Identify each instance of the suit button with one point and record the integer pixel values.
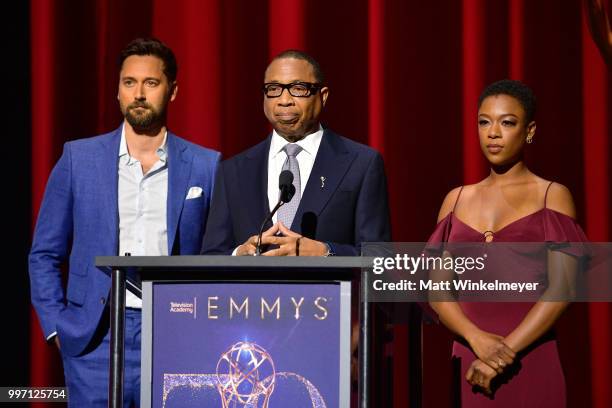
(103, 300)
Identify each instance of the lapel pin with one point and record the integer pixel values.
(322, 181)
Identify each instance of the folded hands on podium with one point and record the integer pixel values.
(285, 242)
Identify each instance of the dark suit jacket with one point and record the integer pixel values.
(349, 209)
(79, 220)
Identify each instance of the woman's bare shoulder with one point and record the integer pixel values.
(559, 198)
(449, 202)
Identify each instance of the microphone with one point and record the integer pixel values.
(285, 184)
(287, 191)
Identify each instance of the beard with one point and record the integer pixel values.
(146, 118)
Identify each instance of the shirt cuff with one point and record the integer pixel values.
(51, 336)
(331, 251)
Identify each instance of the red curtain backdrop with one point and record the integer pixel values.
(404, 77)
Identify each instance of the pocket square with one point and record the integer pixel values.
(194, 192)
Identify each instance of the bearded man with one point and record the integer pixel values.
(139, 190)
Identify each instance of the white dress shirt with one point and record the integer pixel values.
(277, 157)
(142, 207)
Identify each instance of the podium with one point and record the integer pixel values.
(241, 331)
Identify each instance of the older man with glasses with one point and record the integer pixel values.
(339, 186)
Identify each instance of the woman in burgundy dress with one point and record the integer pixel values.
(507, 351)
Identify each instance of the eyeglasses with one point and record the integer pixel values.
(296, 89)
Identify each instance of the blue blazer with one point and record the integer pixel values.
(350, 208)
(79, 220)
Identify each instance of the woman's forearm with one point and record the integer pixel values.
(454, 319)
(538, 321)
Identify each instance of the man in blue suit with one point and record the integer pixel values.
(340, 196)
(139, 190)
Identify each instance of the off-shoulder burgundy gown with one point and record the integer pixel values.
(536, 379)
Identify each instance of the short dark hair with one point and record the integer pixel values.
(516, 89)
(301, 55)
(156, 48)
